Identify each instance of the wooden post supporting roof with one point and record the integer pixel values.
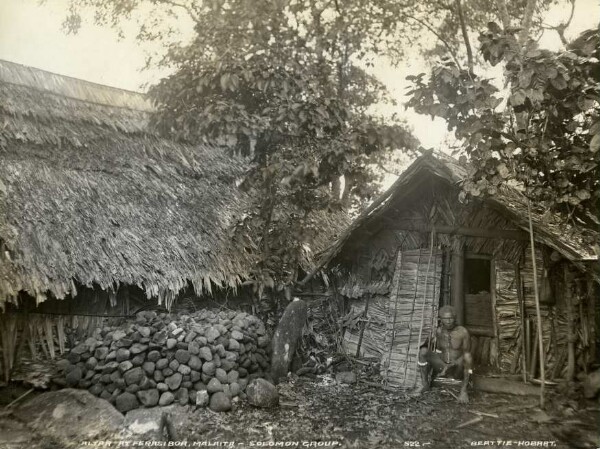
(457, 283)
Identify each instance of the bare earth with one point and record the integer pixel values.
(320, 413)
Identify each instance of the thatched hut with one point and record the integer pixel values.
(98, 209)
(419, 247)
(94, 205)
(89, 196)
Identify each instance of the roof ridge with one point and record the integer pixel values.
(71, 87)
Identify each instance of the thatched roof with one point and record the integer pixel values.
(570, 241)
(88, 195)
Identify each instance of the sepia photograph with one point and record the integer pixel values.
(347, 224)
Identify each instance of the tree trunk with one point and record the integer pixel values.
(348, 185)
(465, 34)
(526, 22)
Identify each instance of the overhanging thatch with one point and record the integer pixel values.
(574, 243)
(88, 195)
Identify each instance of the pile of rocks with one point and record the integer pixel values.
(206, 358)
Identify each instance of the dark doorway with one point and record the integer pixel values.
(477, 276)
(478, 298)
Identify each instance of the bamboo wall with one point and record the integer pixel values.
(374, 324)
(30, 332)
(411, 314)
(26, 338)
(560, 285)
(512, 344)
(514, 348)
(396, 323)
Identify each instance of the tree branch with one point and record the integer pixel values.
(433, 31)
(561, 27)
(465, 34)
(187, 8)
(503, 10)
(384, 169)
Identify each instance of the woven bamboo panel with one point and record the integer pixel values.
(507, 312)
(478, 310)
(411, 316)
(554, 325)
(374, 334)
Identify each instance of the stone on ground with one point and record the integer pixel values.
(220, 402)
(285, 340)
(149, 398)
(202, 398)
(262, 393)
(52, 414)
(126, 401)
(345, 377)
(166, 398)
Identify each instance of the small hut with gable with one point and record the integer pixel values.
(418, 247)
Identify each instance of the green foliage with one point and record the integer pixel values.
(546, 138)
(283, 83)
(278, 83)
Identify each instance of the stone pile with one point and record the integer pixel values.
(205, 358)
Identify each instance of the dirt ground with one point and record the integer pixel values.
(320, 413)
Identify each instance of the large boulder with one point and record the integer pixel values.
(285, 340)
(262, 393)
(53, 414)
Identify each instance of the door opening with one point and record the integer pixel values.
(478, 297)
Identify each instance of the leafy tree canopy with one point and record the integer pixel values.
(543, 136)
(277, 82)
(284, 83)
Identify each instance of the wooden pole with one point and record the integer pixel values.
(363, 325)
(527, 346)
(412, 313)
(458, 272)
(591, 303)
(366, 312)
(570, 327)
(504, 234)
(537, 307)
(524, 330)
(534, 354)
(446, 276)
(495, 343)
(424, 300)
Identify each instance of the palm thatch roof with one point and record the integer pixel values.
(574, 243)
(88, 195)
